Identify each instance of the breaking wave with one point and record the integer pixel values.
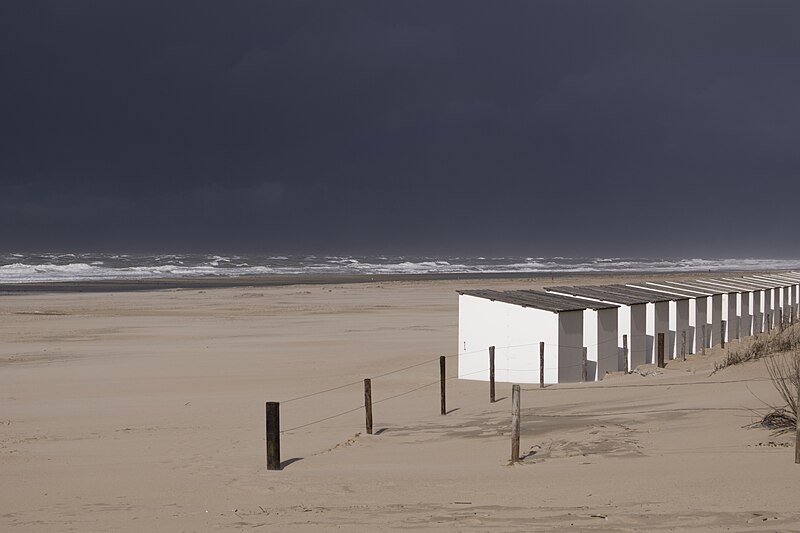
(47, 267)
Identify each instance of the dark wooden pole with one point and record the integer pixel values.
(273, 426)
(541, 365)
(515, 424)
(660, 359)
(584, 366)
(722, 325)
(625, 353)
(491, 374)
(780, 319)
(442, 379)
(683, 345)
(368, 404)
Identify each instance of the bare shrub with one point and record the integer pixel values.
(762, 346)
(785, 375)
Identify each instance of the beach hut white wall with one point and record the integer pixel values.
(656, 317)
(757, 309)
(515, 332)
(786, 303)
(767, 303)
(631, 319)
(686, 316)
(712, 312)
(698, 310)
(600, 329)
(682, 326)
(780, 296)
(716, 318)
(739, 319)
(637, 353)
(789, 284)
(761, 298)
(515, 322)
(745, 317)
(724, 308)
(660, 324)
(679, 317)
(731, 316)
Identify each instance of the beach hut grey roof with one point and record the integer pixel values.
(538, 300)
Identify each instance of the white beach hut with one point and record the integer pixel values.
(644, 327)
(715, 298)
(730, 308)
(632, 320)
(515, 322)
(742, 323)
(658, 317)
(698, 310)
(770, 300)
(681, 311)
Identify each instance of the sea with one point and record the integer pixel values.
(49, 267)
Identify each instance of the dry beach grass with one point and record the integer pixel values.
(139, 411)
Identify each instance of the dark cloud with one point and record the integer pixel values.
(610, 128)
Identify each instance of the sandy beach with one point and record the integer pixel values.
(144, 411)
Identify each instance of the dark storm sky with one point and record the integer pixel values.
(570, 128)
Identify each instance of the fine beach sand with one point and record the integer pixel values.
(144, 411)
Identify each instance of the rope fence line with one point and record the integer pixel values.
(367, 405)
(640, 385)
(473, 352)
(337, 415)
(640, 412)
(550, 388)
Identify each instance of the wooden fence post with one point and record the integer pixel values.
(722, 325)
(541, 365)
(660, 360)
(683, 345)
(780, 319)
(368, 404)
(273, 428)
(442, 380)
(515, 424)
(491, 374)
(584, 367)
(625, 353)
(704, 339)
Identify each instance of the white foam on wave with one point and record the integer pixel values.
(25, 269)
